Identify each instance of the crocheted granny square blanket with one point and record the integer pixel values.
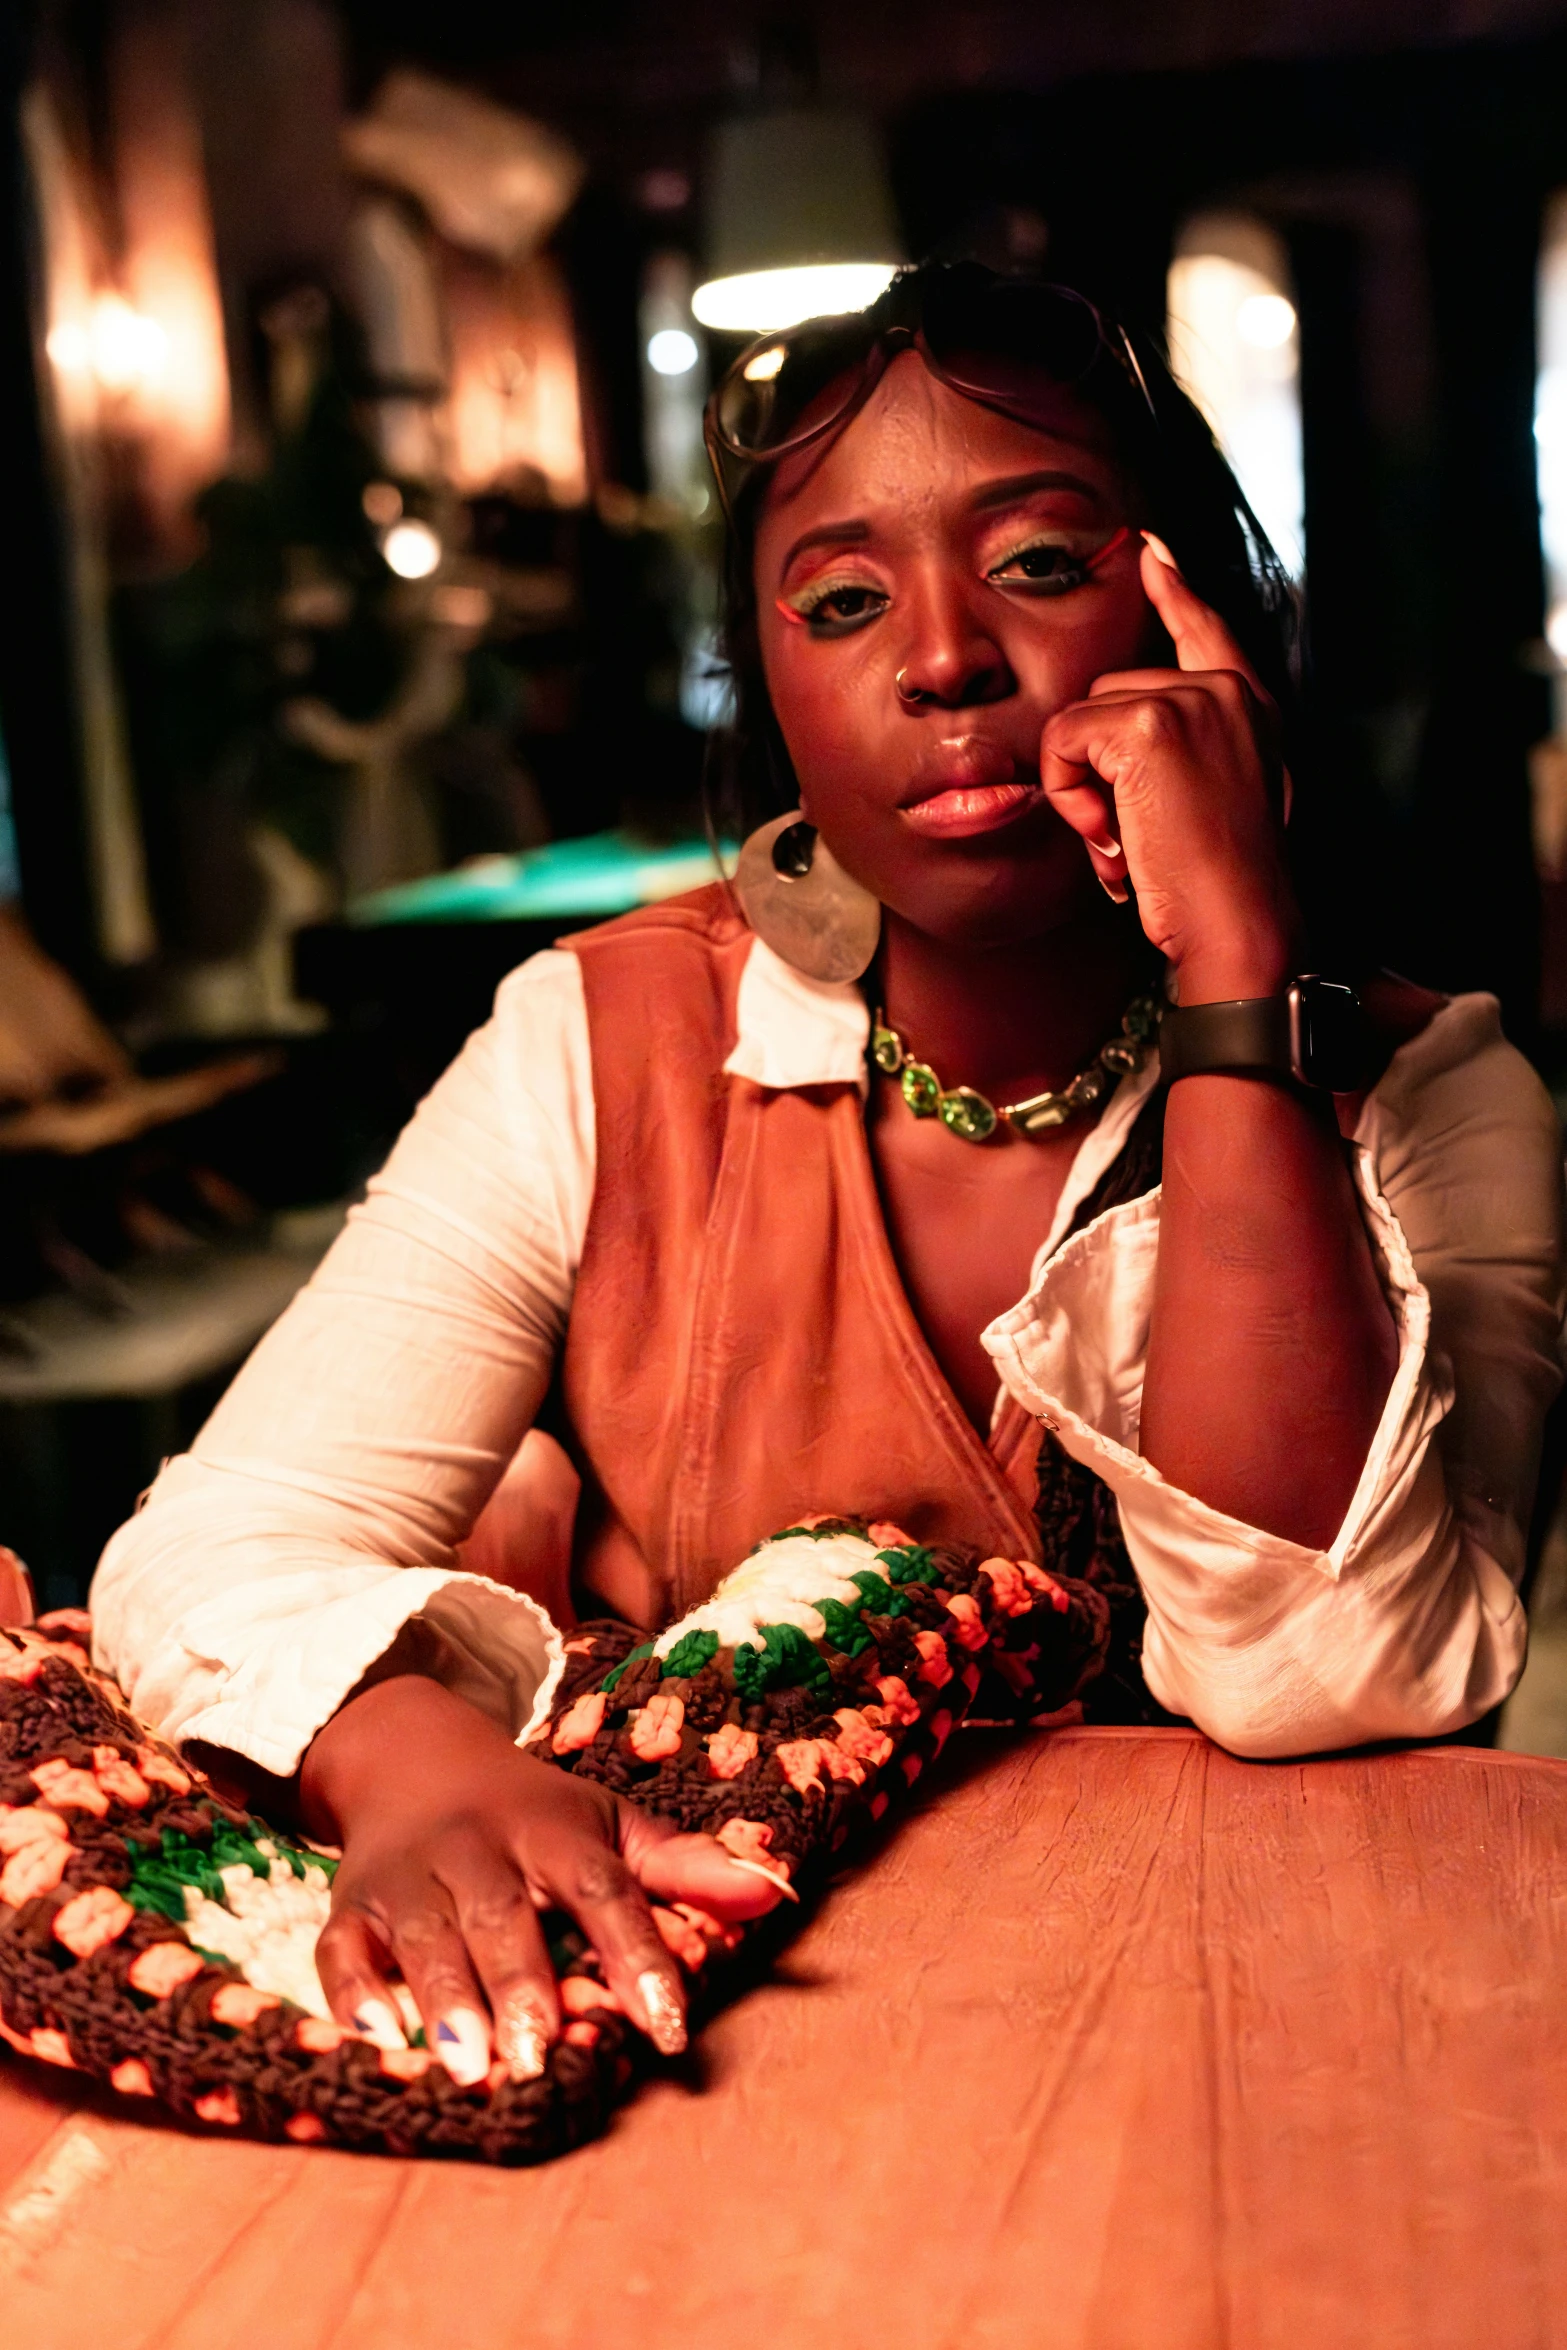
(817, 1683)
(159, 1939)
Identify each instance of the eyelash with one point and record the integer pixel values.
(808, 607)
(1075, 572)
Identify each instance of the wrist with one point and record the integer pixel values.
(1242, 965)
(347, 1758)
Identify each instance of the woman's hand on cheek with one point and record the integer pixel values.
(453, 1842)
(1178, 768)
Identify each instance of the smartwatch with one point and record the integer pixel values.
(1314, 1034)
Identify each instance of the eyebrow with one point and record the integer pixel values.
(1019, 485)
(997, 493)
(830, 534)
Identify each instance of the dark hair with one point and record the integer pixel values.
(1189, 496)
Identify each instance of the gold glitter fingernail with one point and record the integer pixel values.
(521, 2041)
(665, 2024)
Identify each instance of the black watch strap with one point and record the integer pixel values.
(1315, 1033)
(1252, 1033)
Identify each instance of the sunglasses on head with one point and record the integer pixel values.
(987, 337)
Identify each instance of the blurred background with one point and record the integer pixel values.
(360, 636)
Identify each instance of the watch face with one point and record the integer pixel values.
(1332, 1044)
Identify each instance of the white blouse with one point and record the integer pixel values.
(322, 1506)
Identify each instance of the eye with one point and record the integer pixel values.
(1043, 567)
(835, 607)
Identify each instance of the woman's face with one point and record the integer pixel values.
(925, 606)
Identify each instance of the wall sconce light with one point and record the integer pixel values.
(800, 220)
(1235, 345)
(123, 350)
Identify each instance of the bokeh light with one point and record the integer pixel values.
(411, 549)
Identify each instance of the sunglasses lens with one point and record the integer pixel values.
(988, 336)
(776, 388)
(748, 396)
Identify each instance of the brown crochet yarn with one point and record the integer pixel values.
(780, 1749)
(777, 1742)
(98, 1820)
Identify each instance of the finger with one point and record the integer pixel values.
(506, 1945)
(591, 1881)
(1190, 689)
(428, 1947)
(352, 1962)
(1079, 796)
(698, 1869)
(1199, 636)
(1130, 684)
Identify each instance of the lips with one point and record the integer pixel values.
(969, 786)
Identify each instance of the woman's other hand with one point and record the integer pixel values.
(453, 1841)
(1172, 778)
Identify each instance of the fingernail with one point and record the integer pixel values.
(666, 2026)
(377, 2020)
(463, 2046)
(758, 1869)
(521, 2042)
(1116, 891)
(1106, 848)
(1156, 546)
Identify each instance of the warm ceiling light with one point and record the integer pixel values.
(411, 549)
(760, 301)
(801, 221)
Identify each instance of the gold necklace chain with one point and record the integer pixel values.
(972, 1118)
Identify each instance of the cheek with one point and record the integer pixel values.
(1059, 649)
(833, 707)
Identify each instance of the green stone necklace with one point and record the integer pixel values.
(968, 1115)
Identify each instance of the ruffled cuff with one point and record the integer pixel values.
(262, 1668)
(1270, 1646)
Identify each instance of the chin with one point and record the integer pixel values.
(992, 900)
(995, 888)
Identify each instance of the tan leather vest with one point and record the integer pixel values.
(741, 1349)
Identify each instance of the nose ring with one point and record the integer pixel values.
(909, 695)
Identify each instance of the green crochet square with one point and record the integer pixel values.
(844, 1628)
(785, 1660)
(913, 1565)
(689, 1655)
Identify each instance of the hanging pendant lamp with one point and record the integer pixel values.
(800, 220)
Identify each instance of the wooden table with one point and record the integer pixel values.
(1119, 2043)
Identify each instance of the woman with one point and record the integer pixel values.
(1003, 627)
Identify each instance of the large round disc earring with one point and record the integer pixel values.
(799, 899)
